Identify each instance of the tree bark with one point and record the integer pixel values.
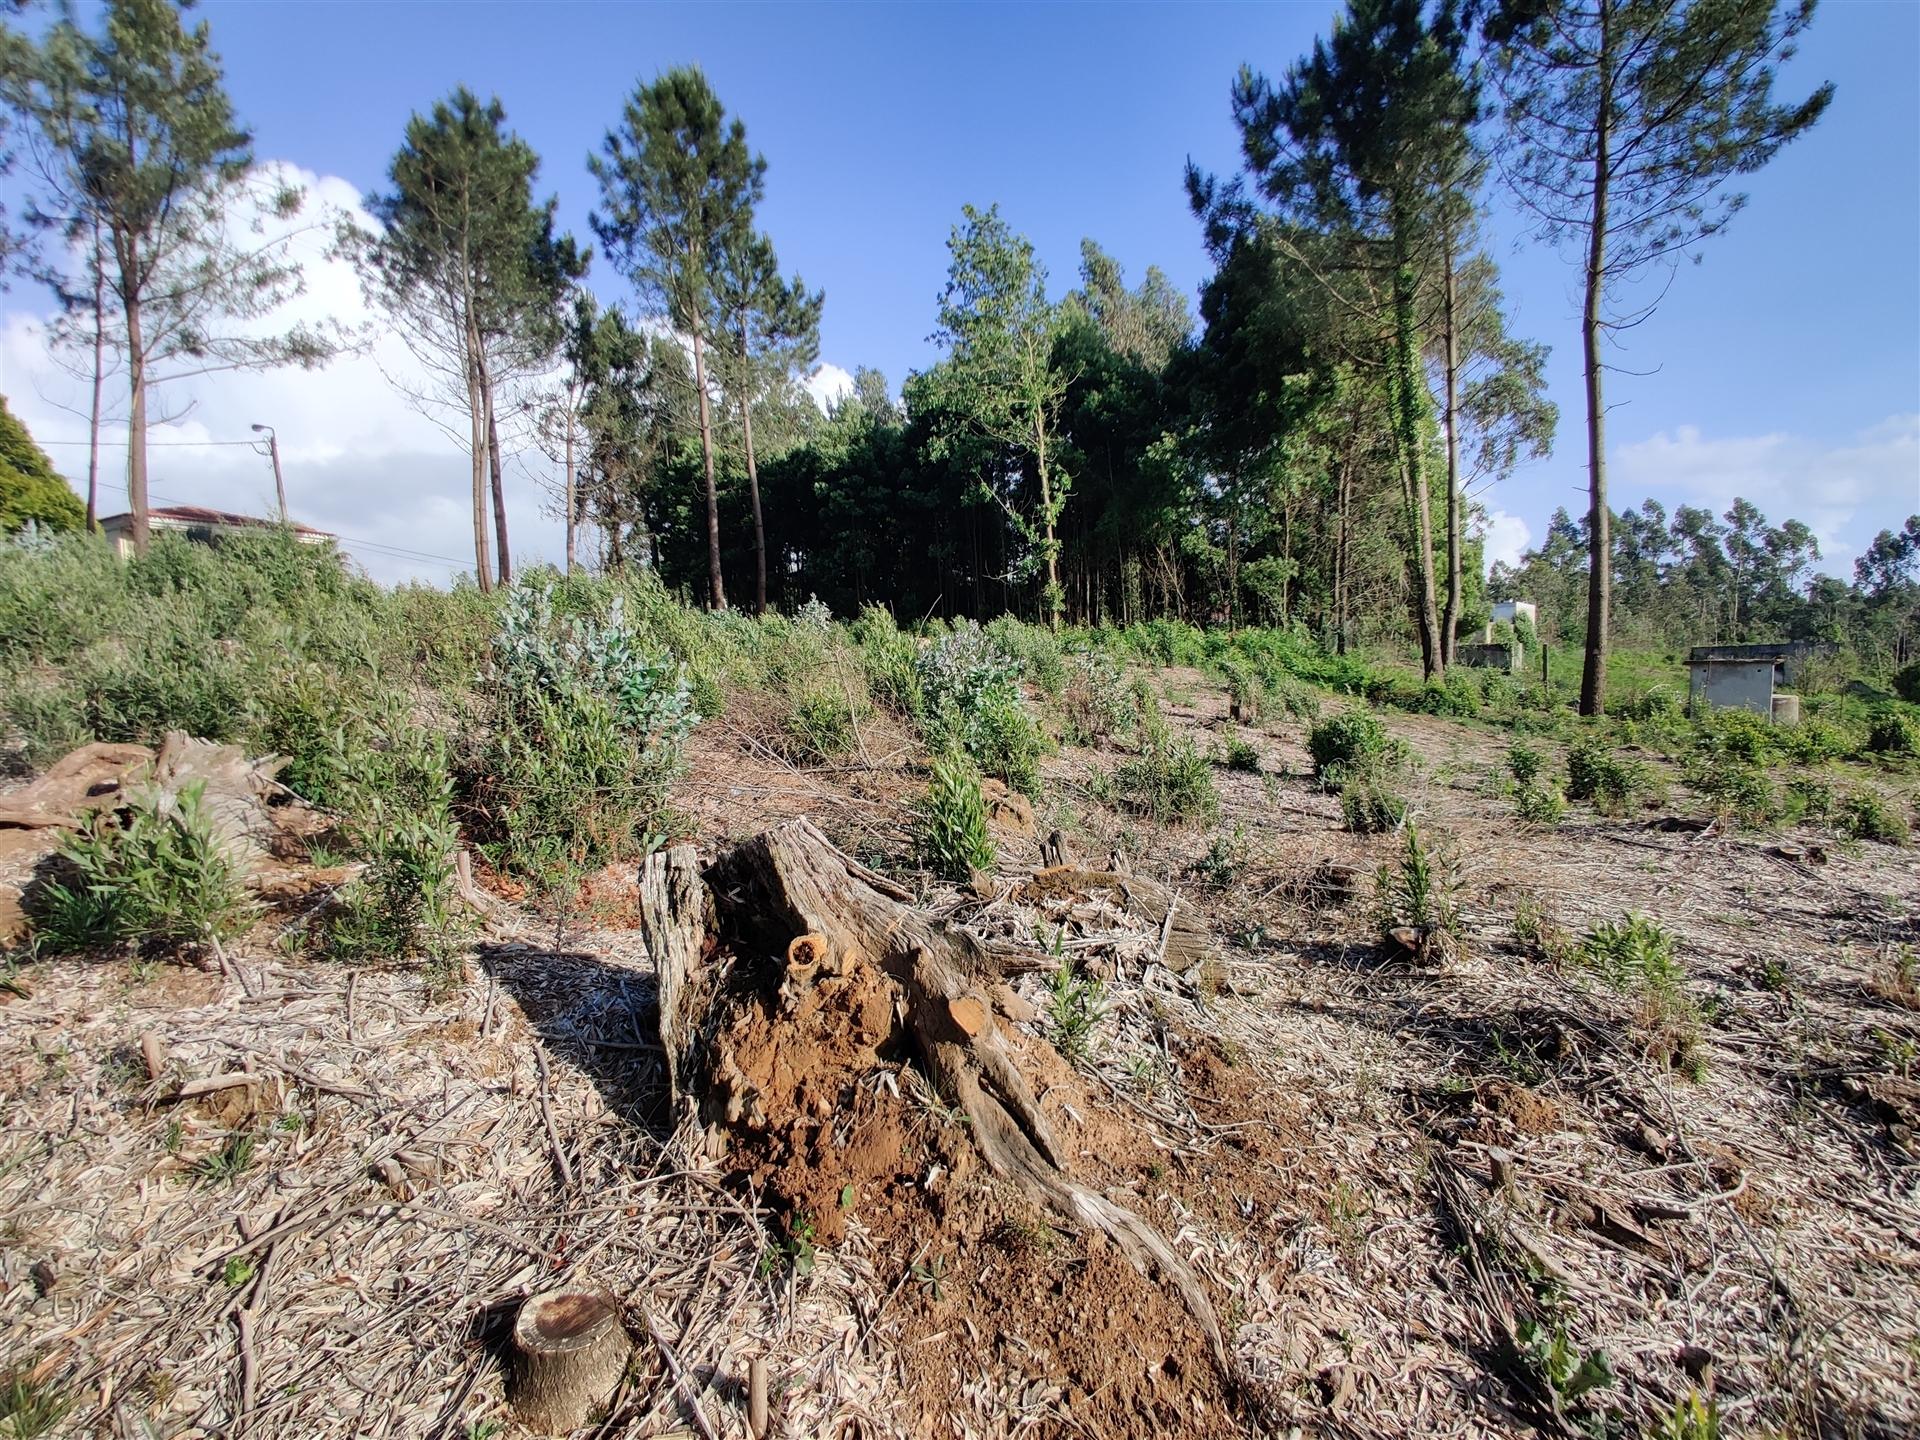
(1593, 672)
(1419, 498)
(137, 426)
(718, 594)
(493, 465)
(1450, 617)
(790, 881)
(570, 1352)
(570, 486)
(477, 428)
(99, 379)
(759, 526)
(1054, 594)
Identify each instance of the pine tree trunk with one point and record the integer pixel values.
(99, 380)
(1418, 497)
(1593, 674)
(1450, 618)
(137, 427)
(1054, 594)
(570, 488)
(499, 484)
(477, 425)
(759, 526)
(717, 594)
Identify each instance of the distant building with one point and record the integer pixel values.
(1511, 611)
(197, 522)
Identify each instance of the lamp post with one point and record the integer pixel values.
(279, 480)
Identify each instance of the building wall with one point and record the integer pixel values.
(1737, 686)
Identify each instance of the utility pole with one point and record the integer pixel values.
(279, 480)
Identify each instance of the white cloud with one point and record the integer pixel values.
(359, 461)
(829, 384)
(1844, 492)
(1505, 536)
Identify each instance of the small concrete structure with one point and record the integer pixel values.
(1791, 655)
(1489, 657)
(1742, 677)
(197, 522)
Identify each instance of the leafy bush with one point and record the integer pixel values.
(1740, 791)
(1288, 696)
(1612, 783)
(1170, 780)
(1240, 755)
(1815, 740)
(1738, 735)
(1637, 955)
(400, 821)
(1539, 805)
(1906, 684)
(585, 731)
(158, 877)
(818, 724)
(953, 821)
(889, 660)
(1095, 704)
(1036, 648)
(1352, 742)
(972, 700)
(1893, 732)
(1370, 806)
(1523, 762)
(1864, 815)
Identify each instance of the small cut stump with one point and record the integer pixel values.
(569, 1352)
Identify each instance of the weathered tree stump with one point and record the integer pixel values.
(569, 1352)
(791, 882)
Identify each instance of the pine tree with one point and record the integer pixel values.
(678, 186)
(1624, 120)
(30, 488)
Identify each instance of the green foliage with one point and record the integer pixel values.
(1073, 1009)
(889, 660)
(1570, 1375)
(1352, 742)
(1816, 740)
(1740, 791)
(1541, 806)
(1420, 890)
(1370, 806)
(1906, 683)
(818, 725)
(953, 821)
(1865, 815)
(31, 1408)
(1095, 704)
(972, 700)
(1892, 731)
(31, 490)
(402, 905)
(584, 732)
(1614, 784)
(1523, 763)
(1638, 956)
(232, 1160)
(1240, 755)
(156, 876)
(1169, 780)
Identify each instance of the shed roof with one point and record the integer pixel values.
(201, 515)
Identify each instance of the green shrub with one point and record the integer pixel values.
(1539, 805)
(1240, 755)
(1906, 683)
(1286, 695)
(402, 905)
(1419, 890)
(1370, 806)
(1740, 791)
(584, 731)
(818, 725)
(1523, 763)
(889, 660)
(973, 701)
(1864, 815)
(1815, 740)
(1893, 732)
(1812, 799)
(1738, 735)
(1036, 648)
(156, 876)
(1638, 956)
(1352, 742)
(1612, 783)
(1094, 703)
(1170, 780)
(954, 839)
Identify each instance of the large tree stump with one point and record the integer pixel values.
(789, 892)
(569, 1352)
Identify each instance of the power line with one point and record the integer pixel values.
(151, 444)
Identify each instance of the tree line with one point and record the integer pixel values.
(1306, 446)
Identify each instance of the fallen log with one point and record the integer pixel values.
(831, 924)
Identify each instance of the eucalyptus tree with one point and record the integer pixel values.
(766, 328)
(467, 266)
(999, 383)
(1362, 152)
(1624, 121)
(135, 141)
(678, 187)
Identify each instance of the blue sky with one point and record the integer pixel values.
(1785, 367)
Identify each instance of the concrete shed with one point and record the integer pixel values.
(1736, 677)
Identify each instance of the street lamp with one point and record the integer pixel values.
(279, 481)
